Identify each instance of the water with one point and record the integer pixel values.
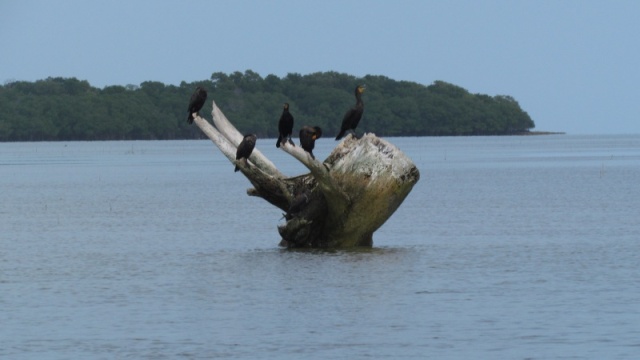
(508, 247)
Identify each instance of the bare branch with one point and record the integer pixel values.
(227, 148)
(320, 171)
(234, 136)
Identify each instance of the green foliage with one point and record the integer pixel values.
(71, 109)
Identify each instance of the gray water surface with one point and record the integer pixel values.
(507, 248)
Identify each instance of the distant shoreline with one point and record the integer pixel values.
(526, 133)
(522, 133)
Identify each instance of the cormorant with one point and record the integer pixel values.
(308, 136)
(353, 115)
(195, 104)
(298, 204)
(285, 126)
(245, 148)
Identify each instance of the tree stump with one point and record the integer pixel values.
(341, 202)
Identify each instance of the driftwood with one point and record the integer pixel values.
(341, 202)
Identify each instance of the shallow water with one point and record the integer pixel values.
(508, 247)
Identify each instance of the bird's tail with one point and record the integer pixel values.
(278, 142)
(236, 169)
(340, 135)
(190, 118)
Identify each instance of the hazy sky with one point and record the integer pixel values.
(574, 66)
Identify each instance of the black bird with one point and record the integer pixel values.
(308, 136)
(285, 126)
(298, 204)
(352, 116)
(195, 104)
(245, 148)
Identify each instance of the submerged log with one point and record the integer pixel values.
(341, 202)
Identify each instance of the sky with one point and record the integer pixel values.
(572, 65)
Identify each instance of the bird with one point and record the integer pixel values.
(308, 136)
(195, 103)
(245, 148)
(352, 116)
(298, 204)
(285, 126)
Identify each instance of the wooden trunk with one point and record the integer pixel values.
(351, 193)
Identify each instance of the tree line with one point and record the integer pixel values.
(72, 109)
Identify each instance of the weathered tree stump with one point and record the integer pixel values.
(349, 195)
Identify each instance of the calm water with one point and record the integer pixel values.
(507, 248)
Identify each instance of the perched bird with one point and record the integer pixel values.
(195, 104)
(245, 148)
(352, 116)
(285, 126)
(298, 204)
(308, 136)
